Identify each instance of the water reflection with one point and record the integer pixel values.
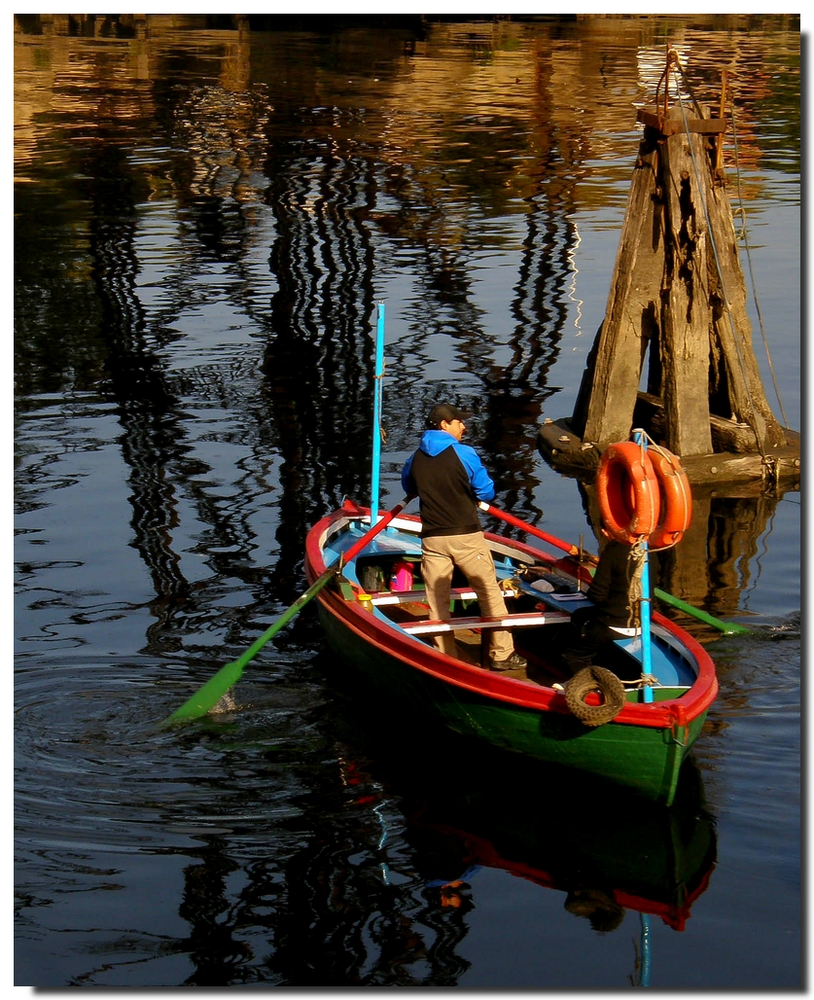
(376, 886)
(650, 860)
(206, 219)
(148, 409)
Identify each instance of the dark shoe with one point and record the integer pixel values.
(513, 662)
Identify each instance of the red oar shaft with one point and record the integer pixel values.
(375, 528)
(572, 550)
(729, 628)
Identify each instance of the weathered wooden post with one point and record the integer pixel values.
(686, 312)
(677, 296)
(607, 394)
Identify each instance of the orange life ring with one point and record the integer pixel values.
(628, 492)
(676, 499)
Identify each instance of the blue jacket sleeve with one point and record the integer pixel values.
(407, 483)
(479, 478)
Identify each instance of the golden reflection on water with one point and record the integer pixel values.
(461, 159)
(499, 97)
(208, 215)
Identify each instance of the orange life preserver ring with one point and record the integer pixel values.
(676, 499)
(628, 492)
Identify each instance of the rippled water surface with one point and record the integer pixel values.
(207, 213)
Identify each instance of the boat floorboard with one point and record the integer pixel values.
(469, 646)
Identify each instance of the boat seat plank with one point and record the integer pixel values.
(503, 622)
(409, 596)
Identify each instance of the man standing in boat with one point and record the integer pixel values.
(449, 479)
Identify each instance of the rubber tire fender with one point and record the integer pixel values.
(628, 492)
(606, 684)
(676, 499)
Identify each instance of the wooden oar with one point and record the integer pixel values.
(487, 508)
(728, 628)
(209, 695)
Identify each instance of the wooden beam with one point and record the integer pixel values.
(389, 597)
(671, 126)
(732, 331)
(685, 312)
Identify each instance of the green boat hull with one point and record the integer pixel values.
(646, 759)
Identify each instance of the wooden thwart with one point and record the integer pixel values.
(505, 621)
(385, 597)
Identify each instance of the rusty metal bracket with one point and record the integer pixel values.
(658, 118)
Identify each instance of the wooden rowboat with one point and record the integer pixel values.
(385, 638)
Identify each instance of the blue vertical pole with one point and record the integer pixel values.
(640, 439)
(644, 978)
(645, 616)
(377, 416)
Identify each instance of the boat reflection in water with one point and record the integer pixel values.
(608, 851)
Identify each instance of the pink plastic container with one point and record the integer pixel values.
(402, 576)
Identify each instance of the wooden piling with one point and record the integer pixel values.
(677, 298)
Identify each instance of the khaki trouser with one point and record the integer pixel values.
(470, 553)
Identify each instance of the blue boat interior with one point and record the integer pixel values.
(371, 573)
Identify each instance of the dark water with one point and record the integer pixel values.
(205, 221)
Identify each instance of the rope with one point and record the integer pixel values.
(637, 557)
(744, 234)
(672, 57)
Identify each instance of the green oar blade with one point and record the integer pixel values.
(209, 695)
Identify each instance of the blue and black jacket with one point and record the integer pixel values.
(449, 478)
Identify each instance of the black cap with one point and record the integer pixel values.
(445, 411)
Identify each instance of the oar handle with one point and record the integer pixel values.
(369, 535)
(320, 582)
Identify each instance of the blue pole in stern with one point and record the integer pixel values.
(645, 616)
(644, 976)
(639, 438)
(377, 416)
